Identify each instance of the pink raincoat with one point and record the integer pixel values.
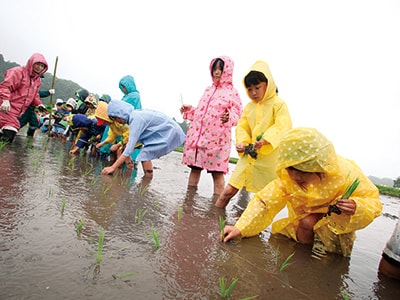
(208, 140)
(21, 87)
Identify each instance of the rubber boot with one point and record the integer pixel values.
(30, 132)
(8, 136)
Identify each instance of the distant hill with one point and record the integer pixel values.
(64, 88)
(382, 181)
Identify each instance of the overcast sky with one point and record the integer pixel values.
(336, 63)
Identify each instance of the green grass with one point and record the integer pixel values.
(388, 191)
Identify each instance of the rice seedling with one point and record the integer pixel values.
(87, 172)
(286, 262)
(248, 298)
(63, 206)
(350, 189)
(346, 195)
(79, 227)
(100, 248)
(222, 287)
(49, 191)
(180, 211)
(93, 181)
(156, 203)
(222, 222)
(345, 294)
(142, 189)
(155, 237)
(117, 276)
(43, 175)
(71, 162)
(105, 189)
(139, 215)
(2, 145)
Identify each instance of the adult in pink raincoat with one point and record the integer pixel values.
(208, 140)
(18, 91)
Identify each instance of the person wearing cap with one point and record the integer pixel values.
(19, 89)
(312, 180)
(81, 95)
(91, 104)
(105, 98)
(71, 106)
(158, 133)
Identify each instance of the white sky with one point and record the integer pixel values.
(336, 63)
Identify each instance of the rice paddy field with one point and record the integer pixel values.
(68, 232)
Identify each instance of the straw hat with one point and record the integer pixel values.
(101, 113)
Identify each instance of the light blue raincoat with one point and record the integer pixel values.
(158, 133)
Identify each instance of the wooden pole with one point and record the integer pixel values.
(51, 96)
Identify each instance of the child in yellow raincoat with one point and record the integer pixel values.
(263, 122)
(311, 179)
(117, 135)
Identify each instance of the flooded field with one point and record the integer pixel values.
(55, 209)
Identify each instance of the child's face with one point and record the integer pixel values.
(217, 72)
(69, 108)
(38, 67)
(118, 120)
(300, 177)
(257, 92)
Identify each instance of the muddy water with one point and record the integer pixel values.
(42, 256)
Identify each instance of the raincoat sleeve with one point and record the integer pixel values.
(111, 136)
(136, 128)
(235, 111)
(12, 81)
(282, 124)
(125, 135)
(36, 100)
(189, 114)
(262, 209)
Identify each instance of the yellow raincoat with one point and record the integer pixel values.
(309, 151)
(269, 116)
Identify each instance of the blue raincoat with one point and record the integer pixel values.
(158, 133)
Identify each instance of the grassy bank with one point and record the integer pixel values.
(388, 191)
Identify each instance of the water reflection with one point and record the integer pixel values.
(37, 240)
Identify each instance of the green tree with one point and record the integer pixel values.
(396, 182)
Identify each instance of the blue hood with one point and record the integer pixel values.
(120, 109)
